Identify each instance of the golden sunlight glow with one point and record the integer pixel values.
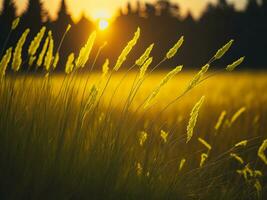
(103, 24)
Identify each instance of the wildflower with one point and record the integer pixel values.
(55, 61)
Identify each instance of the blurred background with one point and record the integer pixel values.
(206, 25)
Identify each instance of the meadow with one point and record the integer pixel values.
(136, 134)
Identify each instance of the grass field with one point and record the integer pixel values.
(54, 146)
(129, 135)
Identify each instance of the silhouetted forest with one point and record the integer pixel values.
(161, 23)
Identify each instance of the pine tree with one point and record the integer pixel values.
(8, 13)
(34, 14)
(64, 17)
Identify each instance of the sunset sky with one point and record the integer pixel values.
(107, 8)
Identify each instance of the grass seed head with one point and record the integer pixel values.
(85, 52)
(235, 64)
(17, 56)
(69, 65)
(163, 82)
(205, 143)
(49, 54)
(220, 53)
(55, 61)
(220, 120)
(193, 119)
(145, 56)
(242, 143)
(142, 138)
(237, 158)
(164, 136)
(261, 151)
(171, 53)
(182, 162)
(144, 68)
(4, 62)
(15, 23)
(43, 51)
(36, 42)
(125, 52)
(203, 159)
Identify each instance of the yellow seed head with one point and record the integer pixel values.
(220, 53)
(31, 60)
(145, 56)
(43, 51)
(163, 82)
(203, 159)
(193, 119)
(142, 138)
(237, 115)
(261, 151)
(220, 120)
(205, 143)
(125, 52)
(175, 48)
(49, 54)
(242, 143)
(55, 61)
(17, 60)
(236, 63)
(84, 54)
(144, 68)
(182, 162)
(198, 77)
(36, 42)
(237, 158)
(69, 65)
(4, 62)
(15, 23)
(164, 136)
(105, 68)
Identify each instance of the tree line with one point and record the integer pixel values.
(161, 22)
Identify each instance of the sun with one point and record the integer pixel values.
(103, 24)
